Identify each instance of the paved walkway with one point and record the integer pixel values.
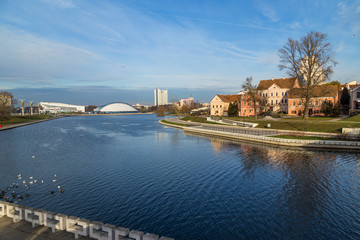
(23, 231)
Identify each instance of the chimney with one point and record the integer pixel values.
(283, 77)
(272, 78)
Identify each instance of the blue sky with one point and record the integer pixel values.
(105, 51)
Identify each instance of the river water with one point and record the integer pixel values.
(132, 172)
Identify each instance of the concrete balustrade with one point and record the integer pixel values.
(31, 217)
(2, 209)
(137, 235)
(72, 224)
(95, 230)
(50, 221)
(121, 233)
(109, 231)
(15, 212)
(77, 226)
(150, 236)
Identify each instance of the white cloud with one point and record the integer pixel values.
(270, 13)
(60, 3)
(25, 57)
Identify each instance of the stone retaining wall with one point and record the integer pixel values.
(72, 224)
(280, 141)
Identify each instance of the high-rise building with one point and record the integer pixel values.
(160, 97)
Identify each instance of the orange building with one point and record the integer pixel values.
(320, 94)
(246, 107)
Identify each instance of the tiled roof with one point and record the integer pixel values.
(281, 82)
(230, 98)
(317, 91)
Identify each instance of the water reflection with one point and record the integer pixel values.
(309, 182)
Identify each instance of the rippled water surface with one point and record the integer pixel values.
(130, 171)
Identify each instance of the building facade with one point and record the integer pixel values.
(319, 93)
(219, 105)
(50, 107)
(185, 102)
(354, 100)
(160, 97)
(276, 92)
(246, 107)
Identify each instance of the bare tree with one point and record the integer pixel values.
(251, 92)
(6, 104)
(310, 60)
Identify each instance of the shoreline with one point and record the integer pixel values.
(16, 125)
(297, 143)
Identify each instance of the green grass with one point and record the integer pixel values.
(355, 118)
(179, 124)
(198, 119)
(23, 119)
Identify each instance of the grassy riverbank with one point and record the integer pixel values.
(173, 123)
(23, 119)
(314, 124)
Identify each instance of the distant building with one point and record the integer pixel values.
(116, 108)
(219, 105)
(276, 92)
(320, 94)
(50, 107)
(185, 102)
(317, 71)
(160, 97)
(354, 100)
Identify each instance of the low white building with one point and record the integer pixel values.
(51, 107)
(116, 108)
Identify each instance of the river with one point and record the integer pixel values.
(131, 171)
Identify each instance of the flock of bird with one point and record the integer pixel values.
(15, 193)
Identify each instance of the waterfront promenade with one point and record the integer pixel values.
(263, 135)
(24, 231)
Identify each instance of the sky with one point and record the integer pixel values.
(95, 52)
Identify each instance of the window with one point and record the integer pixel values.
(293, 112)
(276, 93)
(266, 94)
(317, 103)
(213, 106)
(217, 106)
(250, 110)
(294, 103)
(220, 106)
(285, 93)
(271, 94)
(276, 101)
(272, 102)
(282, 100)
(299, 102)
(282, 93)
(285, 100)
(244, 110)
(358, 95)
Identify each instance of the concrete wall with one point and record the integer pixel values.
(77, 226)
